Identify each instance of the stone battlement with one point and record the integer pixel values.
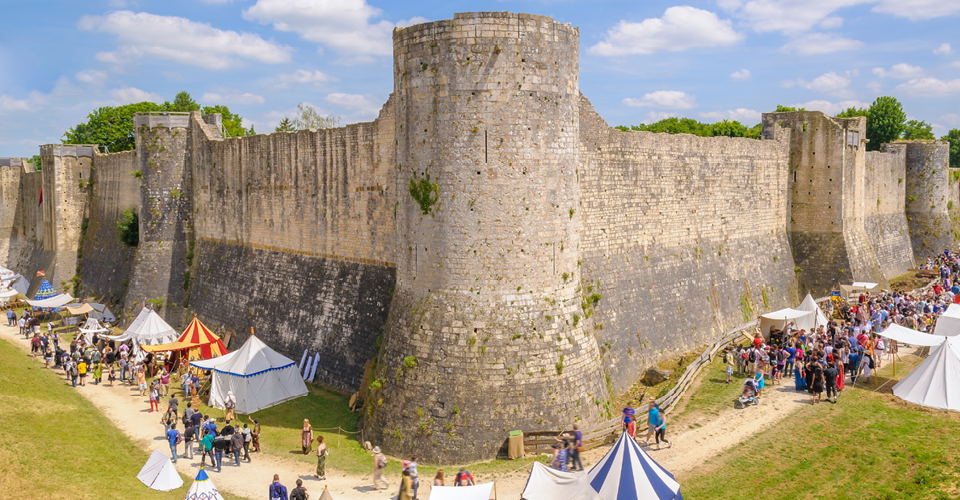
(488, 254)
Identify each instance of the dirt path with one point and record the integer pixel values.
(130, 413)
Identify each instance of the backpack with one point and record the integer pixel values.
(753, 356)
(297, 494)
(230, 404)
(179, 437)
(381, 461)
(781, 356)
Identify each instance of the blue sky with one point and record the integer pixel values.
(639, 61)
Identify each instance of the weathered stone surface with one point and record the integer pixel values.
(929, 197)
(655, 375)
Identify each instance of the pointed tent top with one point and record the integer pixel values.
(202, 475)
(627, 472)
(935, 383)
(253, 358)
(45, 291)
(251, 331)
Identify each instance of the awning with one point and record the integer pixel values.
(912, 337)
(172, 346)
(948, 324)
(479, 492)
(8, 295)
(81, 309)
(785, 314)
(57, 301)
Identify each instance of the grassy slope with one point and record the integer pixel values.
(870, 445)
(56, 444)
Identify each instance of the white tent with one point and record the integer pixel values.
(627, 472)
(545, 483)
(159, 473)
(912, 337)
(948, 324)
(55, 301)
(101, 313)
(258, 376)
(814, 320)
(203, 488)
(6, 273)
(935, 383)
(90, 327)
(483, 491)
(16, 282)
(147, 329)
(10, 295)
(780, 319)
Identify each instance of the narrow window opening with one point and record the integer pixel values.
(484, 146)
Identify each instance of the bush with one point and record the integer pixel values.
(128, 228)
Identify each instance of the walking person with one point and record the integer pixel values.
(255, 435)
(661, 431)
(189, 435)
(653, 412)
(379, 463)
(321, 459)
(438, 479)
(169, 419)
(728, 360)
(231, 405)
(82, 371)
(830, 375)
(246, 442)
(463, 478)
(141, 381)
(219, 448)
(277, 491)
(414, 475)
(236, 446)
(299, 493)
(817, 387)
(206, 449)
(406, 486)
(174, 438)
(629, 422)
(575, 462)
(306, 436)
(154, 399)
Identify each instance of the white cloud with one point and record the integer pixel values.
(680, 28)
(670, 99)
(348, 26)
(655, 116)
(236, 98)
(929, 87)
(742, 115)
(916, 10)
(361, 104)
(830, 83)
(91, 76)
(832, 22)
(743, 74)
(127, 95)
(943, 50)
(788, 16)
(787, 83)
(875, 87)
(403, 23)
(900, 71)
(812, 44)
(31, 103)
(831, 108)
(951, 119)
(181, 40)
(300, 76)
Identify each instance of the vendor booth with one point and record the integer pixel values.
(196, 343)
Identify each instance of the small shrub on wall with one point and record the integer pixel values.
(128, 228)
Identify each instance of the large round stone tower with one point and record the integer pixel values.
(928, 198)
(486, 330)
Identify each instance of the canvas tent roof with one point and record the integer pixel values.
(627, 472)
(147, 329)
(6, 273)
(45, 291)
(483, 491)
(258, 376)
(203, 488)
(910, 336)
(545, 483)
(813, 321)
(935, 383)
(9, 295)
(196, 336)
(16, 282)
(781, 318)
(948, 324)
(79, 309)
(55, 301)
(159, 473)
(90, 327)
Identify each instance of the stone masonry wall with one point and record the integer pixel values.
(66, 184)
(928, 197)
(683, 237)
(827, 200)
(107, 264)
(21, 219)
(303, 225)
(885, 221)
(485, 332)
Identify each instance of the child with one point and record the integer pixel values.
(154, 399)
(661, 431)
(111, 375)
(760, 385)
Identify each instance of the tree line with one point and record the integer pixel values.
(886, 122)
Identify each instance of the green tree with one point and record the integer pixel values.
(36, 160)
(183, 102)
(286, 125)
(787, 109)
(953, 137)
(918, 130)
(853, 112)
(231, 122)
(109, 126)
(885, 122)
(309, 118)
(728, 128)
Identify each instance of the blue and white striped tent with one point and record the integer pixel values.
(45, 291)
(628, 473)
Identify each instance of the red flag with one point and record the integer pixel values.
(40, 273)
(41, 196)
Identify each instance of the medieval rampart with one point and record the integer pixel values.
(21, 218)
(884, 219)
(928, 197)
(683, 237)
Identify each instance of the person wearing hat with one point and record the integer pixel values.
(230, 404)
(379, 463)
(255, 434)
(463, 478)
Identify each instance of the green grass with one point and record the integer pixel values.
(713, 394)
(56, 444)
(870, 445)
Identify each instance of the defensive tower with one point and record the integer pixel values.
(485, 333)
(928, 197)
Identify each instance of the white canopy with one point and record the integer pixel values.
(101, 312)
(203, 488)
(781, 319)
(814, 320)
(948, 324)
(147, 329)
(910, 336)
(258, 376)
(16, 282)
(8, 295)
(6, 273)
(90, 327)
(545, 483)
(159, 473)
(56, 301)
(935, 383)
(483, 491)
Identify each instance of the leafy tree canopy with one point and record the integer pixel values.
(787, 109)
(309, 118)
(285, 125)
(36, 162)
(886, 122)
(690, 126)
(953, 137)
(112, 126)
(853, 112)
(918, 130)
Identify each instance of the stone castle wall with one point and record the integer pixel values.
(684, 237)
(107, 263)
(885, 221)
(303, 223)
(928, 197)
(21, 217)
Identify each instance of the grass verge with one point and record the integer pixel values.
(56, 444)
